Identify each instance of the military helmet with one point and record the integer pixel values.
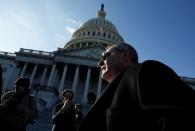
(22, 81)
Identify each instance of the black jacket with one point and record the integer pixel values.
(148, 96)
(63, 121)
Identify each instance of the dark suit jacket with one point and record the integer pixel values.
(63, 121)
(148, 96)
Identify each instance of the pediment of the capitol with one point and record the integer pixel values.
(90, 52)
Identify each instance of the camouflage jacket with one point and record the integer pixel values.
(18, 110)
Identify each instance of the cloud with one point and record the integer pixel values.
(71, 30)
(75, 22)
(73, 25)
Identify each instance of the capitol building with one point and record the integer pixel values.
(74, 66)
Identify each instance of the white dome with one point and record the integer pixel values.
(95, 32)
(100, 22)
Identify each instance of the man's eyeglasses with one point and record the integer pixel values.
(105, 55)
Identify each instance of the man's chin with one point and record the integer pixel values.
(105, 77)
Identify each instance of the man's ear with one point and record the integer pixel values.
(126, 57)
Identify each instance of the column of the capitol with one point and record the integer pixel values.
(43, 76)
(51, 75)
(87, 85)
(24, 69)
(76, 78)
(63, 79)
(16, 73)
(54, 77)
(33, 75)
(10, 76)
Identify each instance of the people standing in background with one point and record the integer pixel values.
(78, 115)
(64, 113)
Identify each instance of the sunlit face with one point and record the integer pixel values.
(111, 64)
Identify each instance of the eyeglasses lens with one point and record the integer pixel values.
(105, 55)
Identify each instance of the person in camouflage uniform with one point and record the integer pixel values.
(17, 107)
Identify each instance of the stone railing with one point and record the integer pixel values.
(36, 52)
(7, 54)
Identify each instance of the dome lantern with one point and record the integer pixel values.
(101, 12)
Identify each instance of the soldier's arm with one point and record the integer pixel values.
(8, 100)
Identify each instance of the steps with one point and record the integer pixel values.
(43, 123)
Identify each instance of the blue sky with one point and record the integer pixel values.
(162, 30)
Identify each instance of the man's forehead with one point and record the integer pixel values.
(110, 48)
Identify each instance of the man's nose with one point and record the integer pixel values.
(101, 62)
